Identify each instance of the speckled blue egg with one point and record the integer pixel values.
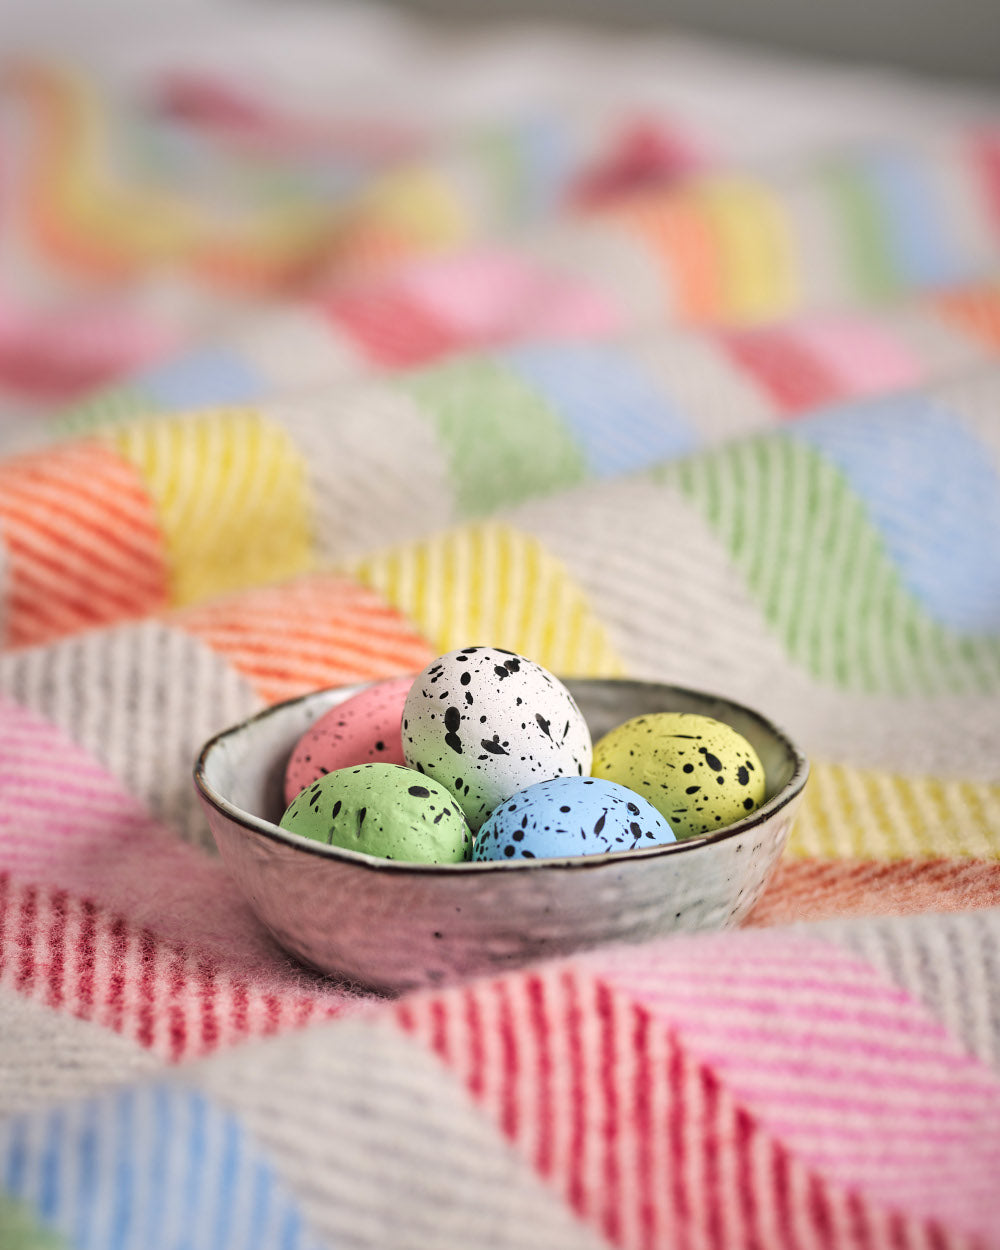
(568, 816)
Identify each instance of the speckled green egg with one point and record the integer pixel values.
(698, 773)
(384, 810)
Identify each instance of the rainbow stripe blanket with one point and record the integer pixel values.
(329, 342)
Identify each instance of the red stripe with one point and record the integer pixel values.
(643, 1119)
(86, 955)
(4, 904)
(304, 1010)
(240, 1007)
(540, 1027)
(26, 938)
(177, 1025)
(858, 1216)
(116, 990)
(439, 1029)
(578, 1097)
(897, 1231)
(677, 1137)
(392, 328)
(782, 1193)
(936, 1236)
(207, 995)
(611, 1214)
(147, 960)
(509, 1065)
(57, 953)
(746, 1194)
(272, 1016)
(404, 1014)
(793, 378)
(819, 1211)
(474, 1027)
(714, 1198)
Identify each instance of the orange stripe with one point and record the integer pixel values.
(681, 235)
(42, 540)
(822, 889)
(330, 641)
(977, 312)
(83, 544)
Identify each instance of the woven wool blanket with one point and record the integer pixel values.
(330, 341)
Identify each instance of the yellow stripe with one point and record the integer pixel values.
(232, 496)
(758, 262)
(492, 584)
(415, 204)
(854, 813)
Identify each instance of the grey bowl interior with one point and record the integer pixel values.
(394, 925)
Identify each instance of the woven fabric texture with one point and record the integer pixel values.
(331, 341)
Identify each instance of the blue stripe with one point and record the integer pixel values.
(125, 1146)
(261, 1196)
(923, 253)
(619, 418)
(16, 1156)
(49, 1166)
(227, 1190)
(201, 1179)
(929, 488)
(202, 378)
(547, 162)
(192, 1186)
(87, 1132)
(160, 1116)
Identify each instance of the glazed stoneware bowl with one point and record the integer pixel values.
(393, 926)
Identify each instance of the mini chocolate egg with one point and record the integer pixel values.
(570, 816)
(363, 729)
(697, 772)
(384, 810)
(486, 723)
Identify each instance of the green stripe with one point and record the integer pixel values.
(503, 443)
(868, 248)
(19, 1230)
(821, 573)
(114, 406)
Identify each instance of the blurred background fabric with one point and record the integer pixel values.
(653, 343)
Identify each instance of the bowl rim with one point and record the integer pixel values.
(257, 825)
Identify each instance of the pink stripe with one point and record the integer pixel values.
(490, 296)
(865, 356)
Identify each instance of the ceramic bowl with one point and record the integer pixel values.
(393, 926)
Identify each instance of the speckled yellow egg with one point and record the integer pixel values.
(698, 773)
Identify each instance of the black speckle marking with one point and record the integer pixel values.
(749, 804)
(492, 745)
(336, 810)
(742, 776)
(599, 825)
(689, 768)
(692, 789)
(465, 678)
(419, 792)
(713, 761)
(543, 725)
(453, 722)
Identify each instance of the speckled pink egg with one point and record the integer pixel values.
(362, 730)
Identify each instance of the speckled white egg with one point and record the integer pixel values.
(570, 816)
(487, 723)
